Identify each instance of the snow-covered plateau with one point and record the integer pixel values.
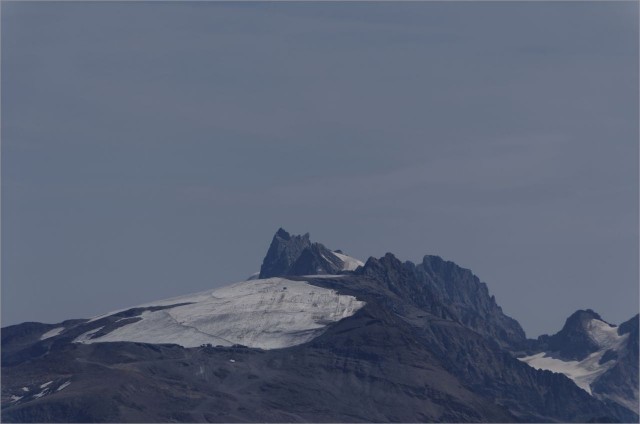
(269, 314)
(586, 371)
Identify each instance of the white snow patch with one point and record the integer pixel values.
(584, 372)
(15, 398)
(43, 385)
(603, 334)
(63, 386)
(42, 393)
(232, 360)
(52, 333)
(255, 313)
(254, 276)
(86, 337)
(350, 264)
(25, 389)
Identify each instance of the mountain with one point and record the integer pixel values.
(320, 337)
(599, 357)
(297, 255)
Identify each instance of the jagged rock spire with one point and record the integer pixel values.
(297, 255)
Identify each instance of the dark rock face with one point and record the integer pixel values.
(297, 255)
(448, 291)
(572, 343)
(283, 253)
(470, 301)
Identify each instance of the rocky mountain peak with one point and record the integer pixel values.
(601, 358)
(297, 255)
(282, 233)
(446, 290)
(579, 318)
(573, 342)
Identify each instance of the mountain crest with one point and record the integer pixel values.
(574, 341)
(448, 291)
(297, 255)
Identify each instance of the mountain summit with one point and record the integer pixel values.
(576, 339)
(322, 337)
(297, 255)
(599, 357)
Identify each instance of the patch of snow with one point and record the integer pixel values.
(603, 334)
(15, 398)
(42, 393)
(25, 389)
(350, 264)
(586, 371)
(254, 313)
(63, 386)
(43, 385)
(52, 333)
(254, 276)
(87, 337)
(232, 360)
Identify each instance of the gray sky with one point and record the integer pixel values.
(151, 150)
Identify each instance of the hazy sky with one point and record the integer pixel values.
(151, 150)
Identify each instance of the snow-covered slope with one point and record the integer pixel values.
(350, 264)
(269, 313)
(587, 370)
(52, 333)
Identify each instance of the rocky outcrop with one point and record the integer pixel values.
(469, 300)
(448, 291)
(573, 342)
(297, 255)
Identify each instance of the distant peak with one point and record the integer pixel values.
(282, 233)
(574, 341)
(578, 321)
(296, 255)
(582, 315)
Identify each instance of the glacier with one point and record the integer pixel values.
(264, 313)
